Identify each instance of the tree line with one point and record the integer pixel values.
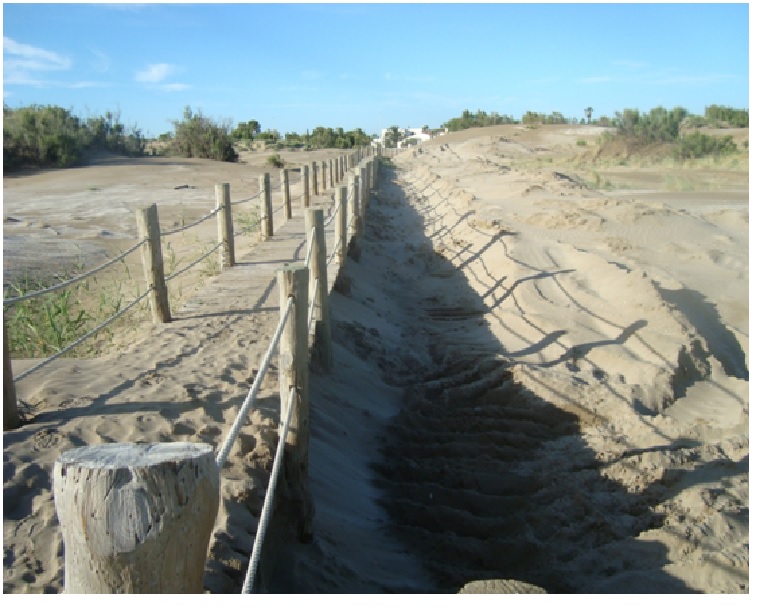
(51, 136)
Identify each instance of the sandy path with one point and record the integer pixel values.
(533, 380)
(555, 399)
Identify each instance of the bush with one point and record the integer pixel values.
(276, 161)
(53, 136)
(698, 145)
(197, 136)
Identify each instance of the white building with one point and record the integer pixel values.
(419, 134)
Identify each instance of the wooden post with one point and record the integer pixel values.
(293, 281)
(267, 225)
(363, 171)
(287, 195)
(324, 165)
(318, 270)
(152, 257)
(341, 224)
(314, 178)
(136, 518)
(336, 170)
(305, 182)
(11, 418)
(225, 225)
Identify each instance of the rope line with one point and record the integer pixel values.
(313, 303)
(74, 344)
(266, 510)
(64, 284)
(311, 245)
(248, 402)
(193, 263)
(168, 233)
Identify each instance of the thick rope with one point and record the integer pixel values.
(205, 218)
(64, 284)
(74, 344)
(248, 402)
(193, 263)
(266, 510)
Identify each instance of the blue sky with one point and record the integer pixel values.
(293, 67)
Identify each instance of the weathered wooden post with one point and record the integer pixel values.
(11, 418)
(152, 257)
(324, 173)
(318, 272)
(287, 195)
(354, 250)
(314, 178)
(136, 518)
(335, 173)
(341, 224)
(305, 182)
(293, 281)
(267, 224)
(225, 225)
(363, 171)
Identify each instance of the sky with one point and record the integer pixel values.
(293, 67)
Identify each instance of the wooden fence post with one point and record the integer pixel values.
(341, 224)
(305, 182)
(336, 176)
(287, 195)
(152, 257)
(225, 225)
(11, 418)
(314, 178)
(318, 270)
(324, 167)
(136, 518)
(293, 281)
(267, 225)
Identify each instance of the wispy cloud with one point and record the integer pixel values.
(156, 75)
(100, 61)
(25, 65)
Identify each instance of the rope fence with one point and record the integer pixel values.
(304, 303)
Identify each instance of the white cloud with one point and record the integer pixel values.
(155, 73)
(22, 64)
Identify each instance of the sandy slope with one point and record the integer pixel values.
(533, 380)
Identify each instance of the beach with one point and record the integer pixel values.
(540, 379)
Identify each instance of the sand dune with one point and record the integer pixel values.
(537, 385)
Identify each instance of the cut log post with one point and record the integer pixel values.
(287, 195)
(314, 178)
(305, 183)
(11, 419)
(136, 518)
(324, 170)
(341, 224)
(225, 225)
(293, 281)
(318, 270)
(152, 258)
(267, 224)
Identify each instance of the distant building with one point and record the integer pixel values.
(411, 134)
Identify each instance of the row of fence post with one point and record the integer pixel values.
(148, 224)
(102, 555)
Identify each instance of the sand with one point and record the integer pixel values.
(538, 384)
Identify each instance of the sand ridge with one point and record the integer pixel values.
(535, 382)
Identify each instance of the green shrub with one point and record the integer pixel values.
(52, 136)
(698, 145)
(276, 161)
(197, 136)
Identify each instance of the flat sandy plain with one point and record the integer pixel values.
(541, 374)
